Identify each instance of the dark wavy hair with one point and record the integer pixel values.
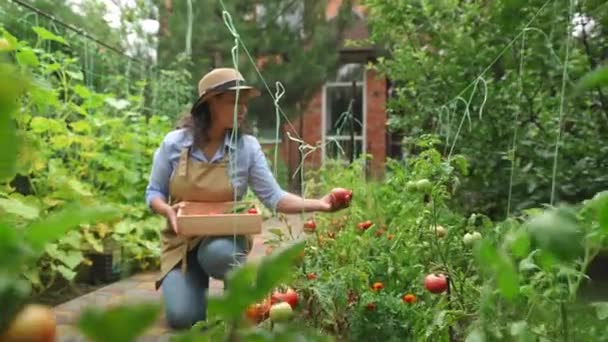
(199, 121)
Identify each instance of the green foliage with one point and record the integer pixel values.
(76, 145)
(250, 283)
(121, 324)
(21, 245)
(525, 278)
(488, 80)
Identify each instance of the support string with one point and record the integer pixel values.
(561, 103)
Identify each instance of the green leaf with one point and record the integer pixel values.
(82, 91)
(77, 75)
(41, 124)
(507, 279)
(501, 267)
(593, 79)
(240, 293)
(12, 86)
(81, 126)
(72, 239)
(16, 207)
(45, 34)
(79, 188)
(10, 246)
(93, 242)
(599, 204)
(275, 268)
(118, 324)
(52, 228)
(124, 227)
(27, 57)
(33, 276)
(476, 335)
(601, 310)
(117, 104)
(486, 254)
(72, 258)
(65, 272)
(528, 264)
(520, 243)
(276, 231)
(517, 328)
(557, 231)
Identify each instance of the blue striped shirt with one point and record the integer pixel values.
(251, 167)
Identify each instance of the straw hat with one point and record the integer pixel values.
(221, 80)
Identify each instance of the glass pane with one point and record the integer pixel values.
(338, 99)
(333, 151)
(349, 72)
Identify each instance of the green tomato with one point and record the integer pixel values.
(470, 238)
(424, 185)
(439, 230)
(5, 45)
(411, 186)
(281, 312)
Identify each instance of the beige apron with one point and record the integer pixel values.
(193, 181)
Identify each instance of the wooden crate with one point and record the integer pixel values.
(210, 219)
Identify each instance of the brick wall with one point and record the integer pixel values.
(376, 121)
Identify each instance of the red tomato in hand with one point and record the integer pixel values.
(436, 283)
(340, 197)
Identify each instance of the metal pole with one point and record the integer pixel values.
(301, 128)
(352, 123)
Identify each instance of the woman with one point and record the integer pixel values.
(193, 164)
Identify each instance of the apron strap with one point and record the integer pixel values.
(182, 166)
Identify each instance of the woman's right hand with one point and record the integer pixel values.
(171, 215)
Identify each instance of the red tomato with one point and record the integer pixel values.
(258, 312)
(340, 197)
(310, 226)
(352, 297)
(377, 286)
(33, 323)
(252, 211)
(290, 296)
(409, 298)
(436, 283)
(365, 225)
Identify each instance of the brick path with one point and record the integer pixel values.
(140, 288)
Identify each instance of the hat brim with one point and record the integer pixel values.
(250, 92)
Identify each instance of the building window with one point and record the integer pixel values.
(339, 95)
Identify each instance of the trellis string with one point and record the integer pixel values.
(233, 160)
(561, 104)
(513, 155)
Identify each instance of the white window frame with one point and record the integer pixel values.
(324, 136)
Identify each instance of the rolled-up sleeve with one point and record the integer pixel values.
(261, 180)
(158, 185)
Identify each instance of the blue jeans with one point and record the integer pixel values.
(185, 295)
